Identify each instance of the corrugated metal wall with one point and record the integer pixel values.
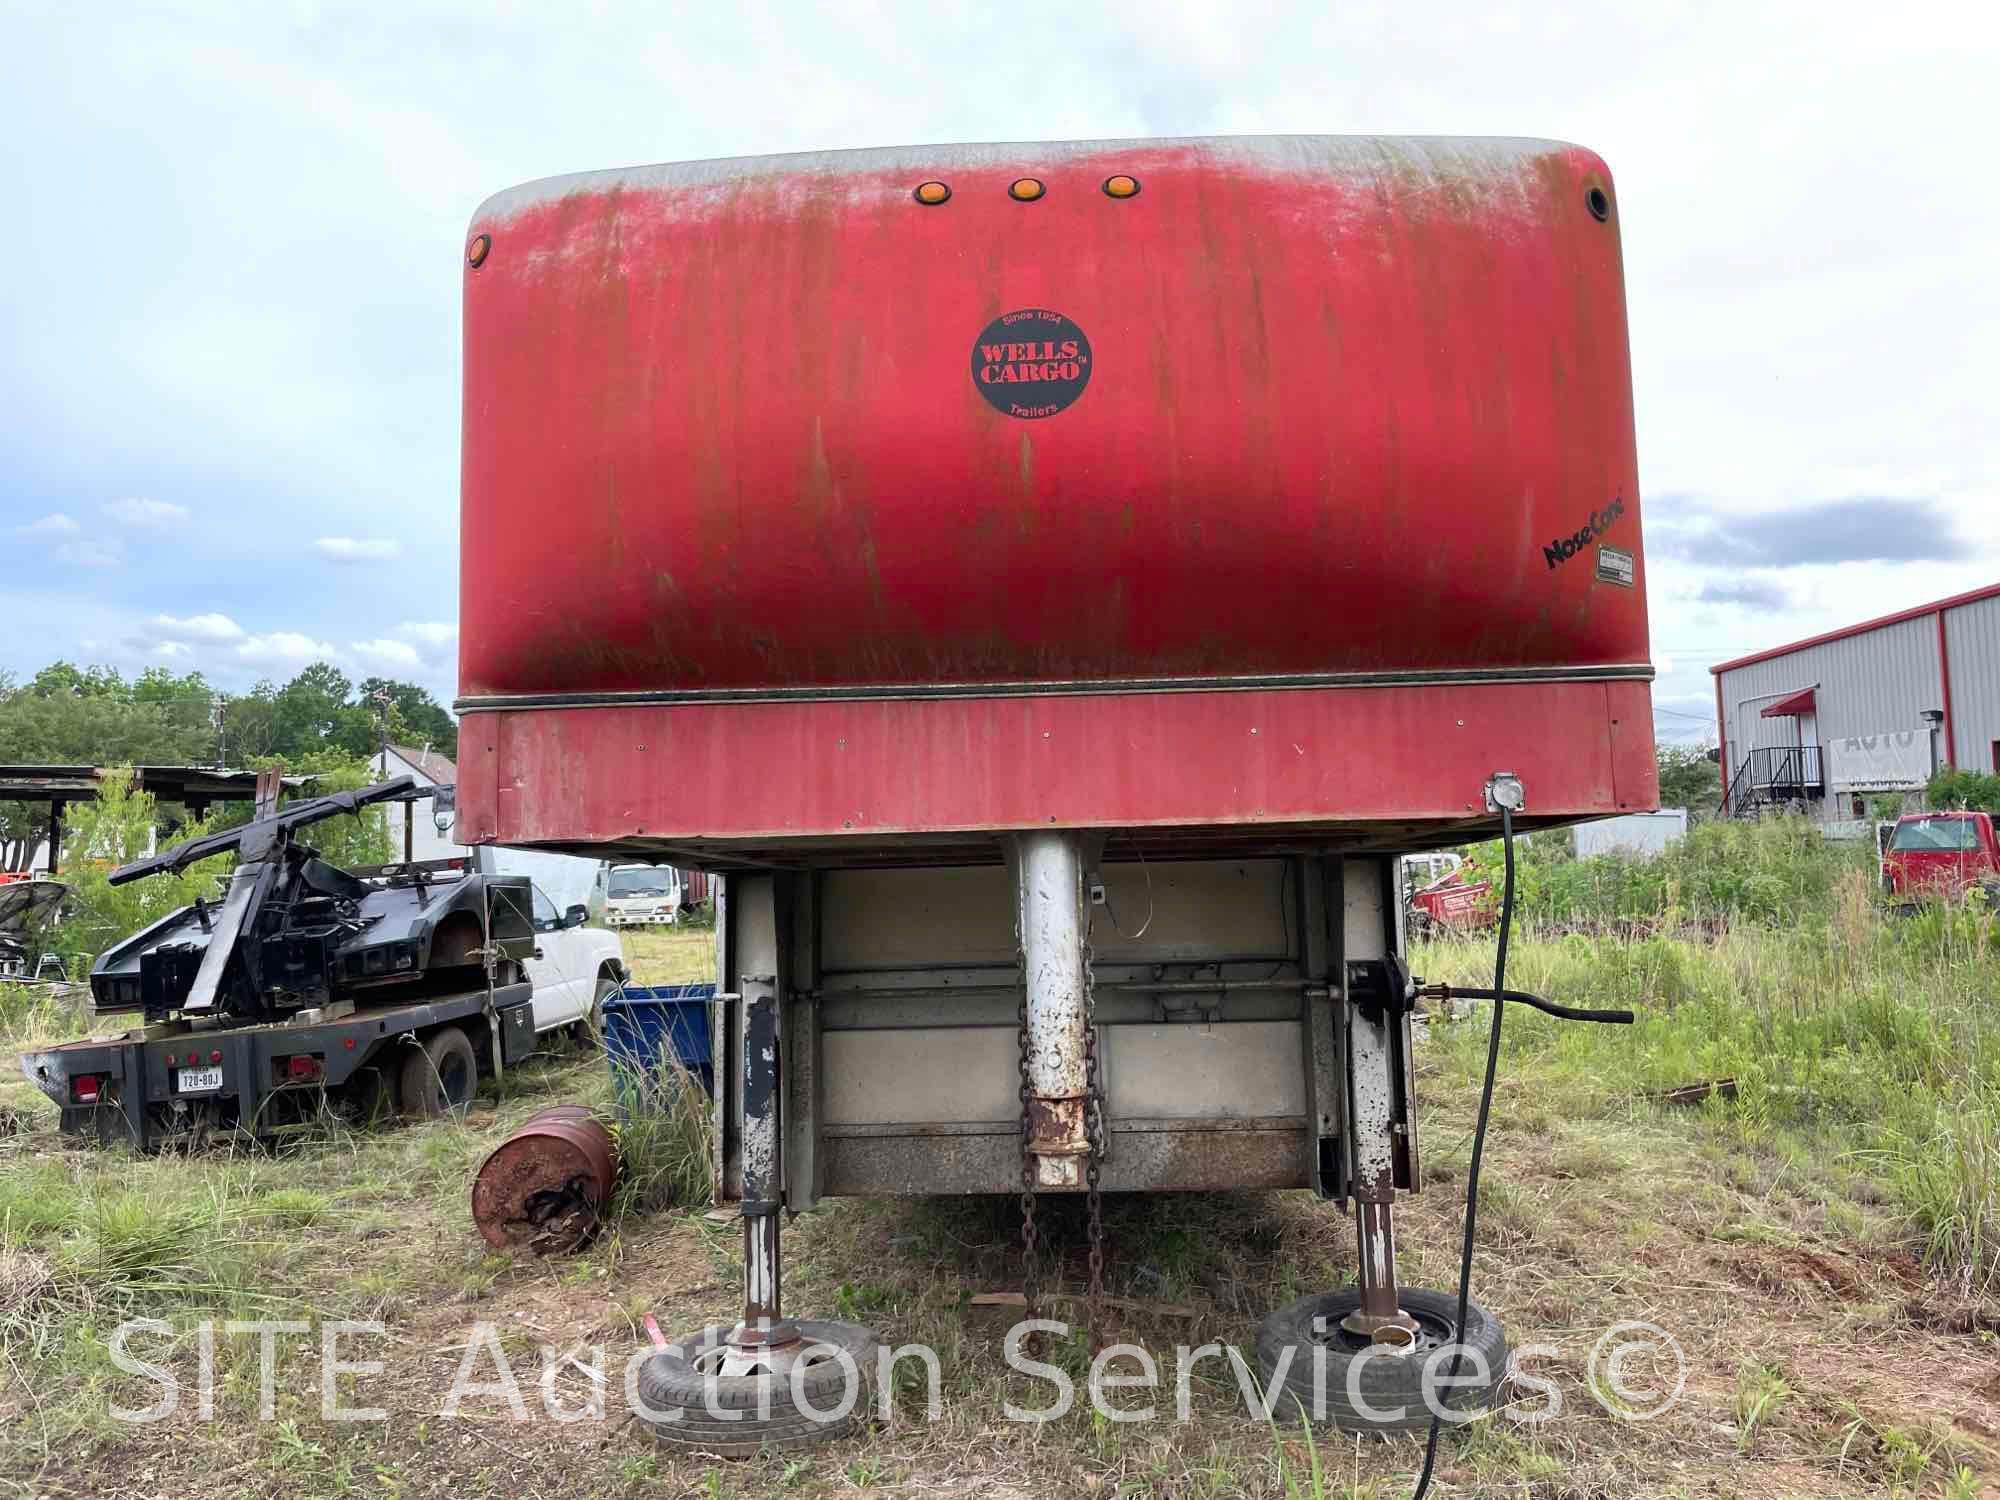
(1972, 641)
(1876, 683)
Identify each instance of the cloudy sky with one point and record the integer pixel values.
(229, 324)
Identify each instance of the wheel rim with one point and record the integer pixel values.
(726, 1361)
(1433, 1332)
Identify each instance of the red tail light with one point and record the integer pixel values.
(85, 1090)
(302, 1067)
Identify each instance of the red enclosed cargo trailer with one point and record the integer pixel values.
(975, 550)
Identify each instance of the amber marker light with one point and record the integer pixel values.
(1026, 190)
(1121, 186)
(932, 193)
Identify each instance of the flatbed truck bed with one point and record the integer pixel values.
(180, 1081)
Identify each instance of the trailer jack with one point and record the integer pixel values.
(770, 1383)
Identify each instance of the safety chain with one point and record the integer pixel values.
(1030, 1257)
(1094, 1125)
(1095, 1117)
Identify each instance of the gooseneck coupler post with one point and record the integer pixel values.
(1049, 888)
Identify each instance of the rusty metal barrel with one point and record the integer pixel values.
(545, 1187)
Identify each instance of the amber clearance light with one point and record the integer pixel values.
(1026, 190)
(932, 193)
(1121, 186)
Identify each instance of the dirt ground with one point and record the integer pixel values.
(1817, 1359)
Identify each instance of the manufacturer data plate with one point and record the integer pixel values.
(1614, 565)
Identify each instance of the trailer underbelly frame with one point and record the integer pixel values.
(1252, 1031)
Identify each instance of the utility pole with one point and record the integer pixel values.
(383, 699)
(219, 707)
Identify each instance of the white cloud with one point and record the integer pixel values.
(55, 523)
(348, 549)
(396, 655)
(173, 650)
(282, 646)
(91, 554)
(436, 634)
(1831, 359)
(210, 627)
(154, 515)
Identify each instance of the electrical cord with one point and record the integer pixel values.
(1112, 911)
(1478, 1149)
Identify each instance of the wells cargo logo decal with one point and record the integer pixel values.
(1031, 363)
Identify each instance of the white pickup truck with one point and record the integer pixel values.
(573, 967)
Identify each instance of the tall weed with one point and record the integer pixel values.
(1870, 1036)
(1769, 872)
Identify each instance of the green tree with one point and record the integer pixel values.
(91, 716)
(98, 837)
(360, 840)
(250, 725)
(1953, 787)
(66, 716)
(358, 731)
(64, 679)
(95, 729)
(417, 719)
(158, 685)
(1690, 778)
(307, 710)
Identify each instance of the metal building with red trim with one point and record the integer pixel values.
(1871, 708)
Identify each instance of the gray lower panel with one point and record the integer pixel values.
(1229, 1071)
(1193, 1158)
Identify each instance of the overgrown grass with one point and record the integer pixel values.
(1770, 872)
(1867, 1038)
(32, 1013)
(681, 954)
(1864, 1058)
(664, 1141)
(87, 1251)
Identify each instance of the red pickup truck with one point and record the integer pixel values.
(1943, 853)
(1455, 899)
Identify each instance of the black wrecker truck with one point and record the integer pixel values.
(305, 988)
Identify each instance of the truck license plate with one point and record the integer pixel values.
(200, 1080)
